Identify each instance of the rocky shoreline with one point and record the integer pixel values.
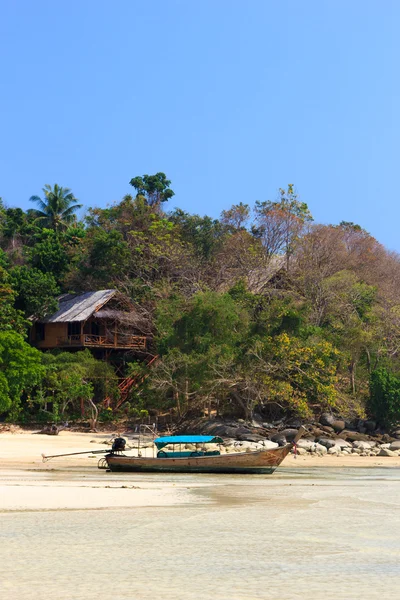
(330, 435)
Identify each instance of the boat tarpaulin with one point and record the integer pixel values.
(187, 439)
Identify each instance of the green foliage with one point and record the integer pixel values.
(49, 253)
(20, 372)
(35, 292)
(107, 256)
(154, 188)
(258, 309)
(203, 233)
(384, 400)
(72, 379)
(58, 208)
(11, 319)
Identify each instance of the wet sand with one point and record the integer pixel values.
(320, 528)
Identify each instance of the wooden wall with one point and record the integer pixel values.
(53, 331)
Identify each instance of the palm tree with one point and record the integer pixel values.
(58, 207)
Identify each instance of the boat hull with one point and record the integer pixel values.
(259, 461)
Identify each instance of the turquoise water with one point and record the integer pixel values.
(306, 533)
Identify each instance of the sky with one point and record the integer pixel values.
(232, 99)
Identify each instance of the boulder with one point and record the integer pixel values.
(370, 425)
(342, 443)
(362, 445)
(334, 450)
(294, 424)
(268, 426)
(328, 429)
(268, 445)
(387, 452)
(395, 446)
(250, 437)
(326, 419)
(328, 443)
(320, 449)
(338, 425)
(305, 444)
(289, 434)
(353, 436)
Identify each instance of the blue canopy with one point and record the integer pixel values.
(187, 439)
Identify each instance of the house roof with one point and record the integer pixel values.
(79, 307)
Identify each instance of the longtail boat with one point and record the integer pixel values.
(199, 460)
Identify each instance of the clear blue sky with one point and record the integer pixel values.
(232, 99)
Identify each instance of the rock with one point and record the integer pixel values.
(387, 438)
(370, 425)
(294, 424)
(342, 443)
(356, 451)
(387, 452)
(279, 439)
(385, 446)
(326, 419)
(256, 424)
(326, 442)
(338, 425)
(289, 434)
(50, 430)
(268, 426)
(319, 449)
(306, 444)
(353, 436)
(395, 446)
(362, 445)
(250, 437)
(334, 450)
(328, 429)
(269, 445)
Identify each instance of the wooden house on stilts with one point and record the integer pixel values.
(103, 321)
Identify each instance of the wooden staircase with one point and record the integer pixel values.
(127, 384)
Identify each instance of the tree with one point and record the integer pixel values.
(35, 292)
(384, 400)
(279, 224)
(75, 383)
(154, 188)
(11, 319)
(20, 371)
(58, 208)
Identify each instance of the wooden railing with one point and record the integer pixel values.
(117, 341)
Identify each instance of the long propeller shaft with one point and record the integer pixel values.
(45, 458)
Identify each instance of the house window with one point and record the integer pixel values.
(74, 328)
(39, 332)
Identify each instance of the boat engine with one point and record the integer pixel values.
(119, 444)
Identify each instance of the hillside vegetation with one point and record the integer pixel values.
(260, 310)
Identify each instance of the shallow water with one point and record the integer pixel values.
(326, 534)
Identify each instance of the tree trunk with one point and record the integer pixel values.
(352, 369)
(95, 415)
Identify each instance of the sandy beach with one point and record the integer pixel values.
(73, 482)
(24, 451)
